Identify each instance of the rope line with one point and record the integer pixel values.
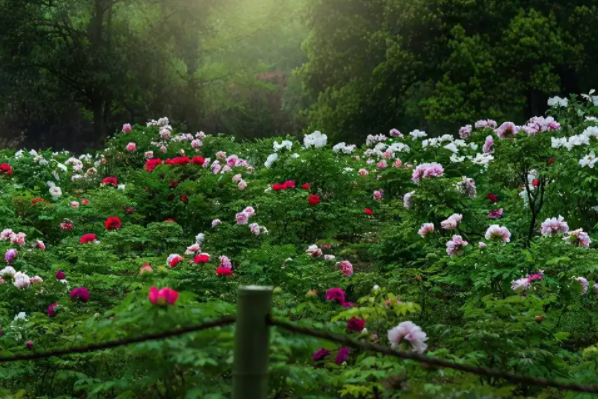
(521, 379)
(121, 342)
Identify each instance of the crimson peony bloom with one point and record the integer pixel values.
(163, 297)
(174, 259)
(112, 181)
(5, 169)
(129, 209)
(178, 161)
(320, 354)
(550, 161)
(113, 223)
(336, 295)
(37, 200)
(289, 184)
(314, 199)
(224, 271)
(67, 225)
(29, 345)
(198, 161)
(535, 182)
(84, 201)
(151, 164)
(184, 198)
(343, 355)
(368, 212)
(492, 198)
(52, 311)
(86, 238)
(278, 187)
(146, 268)
(80, 294)
(201, 258)
(306, 186)
(60, 275)
(355, 324)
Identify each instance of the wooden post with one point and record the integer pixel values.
(250, 368)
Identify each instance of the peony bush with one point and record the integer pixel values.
(475, 247)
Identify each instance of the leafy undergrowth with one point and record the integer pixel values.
(474, 249)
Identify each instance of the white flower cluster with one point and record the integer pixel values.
(315, 139)
(343, 147)
(374, 139)
(270, 160)
(286, 144)
(577, 140)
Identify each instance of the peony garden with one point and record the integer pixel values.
(476, 246)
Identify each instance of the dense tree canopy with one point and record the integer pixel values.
(376, 64)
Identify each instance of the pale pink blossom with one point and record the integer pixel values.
(507, 130)
(409, 332)
(483, 124)
(452, 221)
(196, 143)
(249, 211)
(467, 187)
(165, 134)
(363, 172)
(149, 154)
(427, 170)
(425, 229)
(554, 226)
(255, 228)
(237, 178)
(36, 279)
(584, 284)
(192, 249)
(381, 165)
(216, 222)
(6, 234)
(397, 163)
(520, 285)
(242, 185)
(18, 239)
(74, 204)
(578, 238)
(407, 199)
(455, 246)
(346, 268)
(329, 257)
(496, 232)
(127, 128)
(226, 169)
(378, 194)
(481, 245)
(163, 149)
(465, 131)
(40, 245)
(131, 147)
(221, 156)
(395, 133)
(313, 250)
(488, 145)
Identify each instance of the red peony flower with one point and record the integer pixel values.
(170, 220)
(184, 198)
(550, 161)
(37, 200)
(60, 275)
(113, 223)
(173, 184)
(84, 201)
(198, 160)
(162, 297)
(314, 199)
(355, 324)
(306, 186)
(129, 209)
(52, 311)
(535, 182)
(5, 169)
(112, 181)
(278, 187)
(289, 184)
(67, 225)
(368, 212)
(89, 237)
(80, 294)
(178, 161)
(201, 258)
(492, 198)
(151, 164)
(224, 271)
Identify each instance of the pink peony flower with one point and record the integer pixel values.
(10, 255)
(237, 178)
(427, 170)
(329, 257)
(18, 239)
(36, 280)
(425, 229)
(363, 172)
(131, 147)
(163, 297)
(6, 234)
(192, 249)
(201, 258)
(342, 356)
(355, 324)
(507, 130)
(80, 294)
(225, 262)
(407, 199)
(320, 354)
(149, 154)
(146, 268)
(381, 165)
(74, 204)
(127, 128)
(452, 221)
(255, 228)
(395, 133)
(378, 194)
(496, 232)
(249, 211)
(455, 246)
(216, 222)
(242, 218)
(40, 245)
(174, 259)
(481, 245)
(242, 185)
(53, 309)
(467, 186)
(536, 276)
(520, 285)
(554, 226)
(409, 332)
(346, 268)
(397, 163)
(60, 275)
(465, 131)
(224, 271)
(578, 238)
(387, 155)
(495, 214)
(485, 124)
(313, 250)
(488, 145)
(584, 284)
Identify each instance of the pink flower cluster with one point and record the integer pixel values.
(425, 229)
(465, 131)
(578, 238)
(243, 216)
(496, 232)
(486, 124)
(524, 283)
(409, 332)
(507, 130)
(338, 295)
(15, 238)
(488, 145)
(427, 170)
(313, 250)
(346, 268)
(540, 124)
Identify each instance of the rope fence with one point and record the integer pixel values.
(121, 342)
(250, 366)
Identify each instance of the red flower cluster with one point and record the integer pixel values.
(112, 181)
(306, 186)
(355, 324)
(368, 212)
(184, 198)
(80, 294)
(201, 258)
(5, 169)
(550, 161)
(36, 200)
(287, 185)
(113, 223)
(198, 161)
(492, 198)
(178, 161)
(84, 201)
(314, 199)
(151, 164)
(535, 182)
(86, 238)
